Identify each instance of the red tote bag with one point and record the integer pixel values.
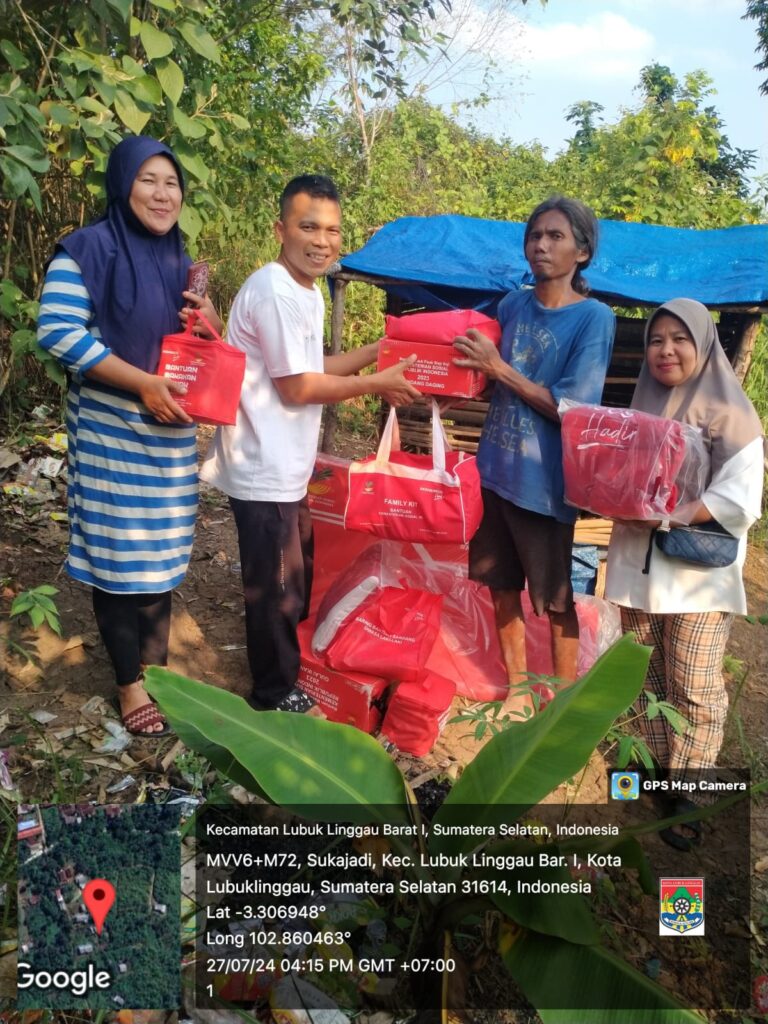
(422, 498)
(212, 370)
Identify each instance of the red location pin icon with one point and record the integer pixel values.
(98, 896)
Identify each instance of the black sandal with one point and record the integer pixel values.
(296, 701)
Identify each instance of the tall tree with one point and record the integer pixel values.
(757, 10)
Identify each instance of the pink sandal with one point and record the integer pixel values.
(139, 722)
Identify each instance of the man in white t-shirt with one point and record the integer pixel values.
(265, 460)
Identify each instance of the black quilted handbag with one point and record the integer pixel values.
(705, 544)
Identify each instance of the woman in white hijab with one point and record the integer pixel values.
(682, 610)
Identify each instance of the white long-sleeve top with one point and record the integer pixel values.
(673, 587)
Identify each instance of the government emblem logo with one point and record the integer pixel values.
(681, 906)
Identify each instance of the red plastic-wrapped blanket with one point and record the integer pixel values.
(627, 464)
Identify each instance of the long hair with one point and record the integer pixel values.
(584, 227)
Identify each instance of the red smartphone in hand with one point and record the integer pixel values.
(197, 278)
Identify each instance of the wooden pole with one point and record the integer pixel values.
(746, 347)
(337, 325)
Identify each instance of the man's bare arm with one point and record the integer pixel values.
(327, 388)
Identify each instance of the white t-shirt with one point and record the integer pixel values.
(673, 587)
(269, 453)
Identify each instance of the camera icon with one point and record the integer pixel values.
(625, 785)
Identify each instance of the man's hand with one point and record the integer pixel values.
(392, 385)
(206, 307)
(157, 394)
(478, 353)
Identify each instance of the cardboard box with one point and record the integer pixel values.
(353, 698)
(434, 372)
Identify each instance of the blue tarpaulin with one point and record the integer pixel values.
(452, 261)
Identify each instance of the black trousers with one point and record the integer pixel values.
(135, 629)
(276, 558)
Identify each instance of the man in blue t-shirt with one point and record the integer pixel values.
(556, 343)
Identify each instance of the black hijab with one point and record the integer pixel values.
(134, 277)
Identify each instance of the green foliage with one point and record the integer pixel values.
(757, 10)
(235, 91)
(38, 605)
(667, 162)
(487, 717)
(294, 763)
(551, 971)
(655, 707)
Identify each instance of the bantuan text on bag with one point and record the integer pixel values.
(212, 370)
(421, 498)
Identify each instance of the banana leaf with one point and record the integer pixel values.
(596, 985)
(521, 765)
(325, 770)
(566, 915)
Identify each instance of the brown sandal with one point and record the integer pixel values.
(139, 721)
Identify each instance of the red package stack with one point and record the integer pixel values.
(627, 464)
(212, 370)
(434, 372)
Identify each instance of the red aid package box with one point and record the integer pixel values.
(434, 372)
(352, 698)
(212, 371)
(441, 328)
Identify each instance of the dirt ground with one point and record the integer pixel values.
(69, 677)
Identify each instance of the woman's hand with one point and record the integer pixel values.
(157, 394)
(479, 353)
(206, 307)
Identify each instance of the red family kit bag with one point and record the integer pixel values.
(421, 498)
(212, 370)
(441, 328)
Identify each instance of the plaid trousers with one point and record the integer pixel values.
(686, 669)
